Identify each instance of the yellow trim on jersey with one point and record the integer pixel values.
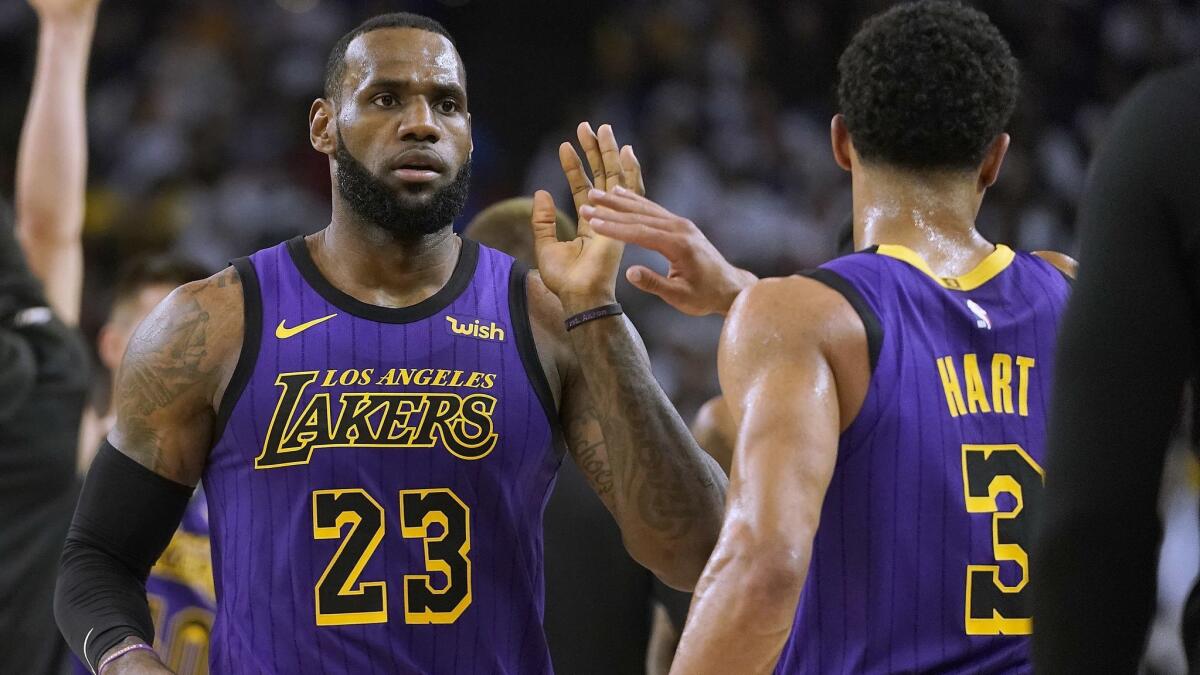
(985, 271)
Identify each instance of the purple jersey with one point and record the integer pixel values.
(377, 486)
(920, 563)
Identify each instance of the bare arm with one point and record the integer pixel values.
(666, 494)
(782, 343)
(173, 374)
(714, 430)
(664, 638)
(168, 389)
(52, 156)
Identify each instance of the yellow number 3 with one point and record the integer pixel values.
(994, 607)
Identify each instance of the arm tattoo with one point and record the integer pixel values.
(166, 358)
(586, 440)
(172, 366)
(659, 474)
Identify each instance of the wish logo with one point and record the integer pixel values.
(469, 326)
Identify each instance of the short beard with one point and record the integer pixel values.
(381, 206)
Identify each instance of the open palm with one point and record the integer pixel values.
(583, 271)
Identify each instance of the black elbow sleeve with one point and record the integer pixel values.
(125, 518)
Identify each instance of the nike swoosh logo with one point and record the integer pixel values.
(283, 332)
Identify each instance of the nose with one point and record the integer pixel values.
(419, 122)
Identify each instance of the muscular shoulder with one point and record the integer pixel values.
(176, 367)
(1065, 263)
(789, 323)
(783, 314)
(206, 316)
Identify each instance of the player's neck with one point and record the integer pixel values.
(373, 266)
(934, 217)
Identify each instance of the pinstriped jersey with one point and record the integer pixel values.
(377, 486)
(920, 562)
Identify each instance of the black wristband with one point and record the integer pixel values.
(593, 314)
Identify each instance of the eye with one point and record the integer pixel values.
(385, 100)
(447, 106)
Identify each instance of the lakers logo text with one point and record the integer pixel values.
(462, 425)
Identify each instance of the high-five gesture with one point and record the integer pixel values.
(583, 272)
(700, 281)
(666, 494)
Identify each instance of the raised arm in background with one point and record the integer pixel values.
(52, 156)
(666, 494)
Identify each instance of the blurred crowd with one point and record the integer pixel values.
(197, 115)
(729, 105)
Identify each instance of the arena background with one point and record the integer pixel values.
(198, 139)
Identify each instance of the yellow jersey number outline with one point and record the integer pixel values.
(350, 584)
(354, 519)
(998, 624)
(426, 615)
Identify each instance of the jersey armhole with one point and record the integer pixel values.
(251, 338)
(870, 320)
(518, 310)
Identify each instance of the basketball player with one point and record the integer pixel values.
(1128, 347)
(890, 405)
(374, 411)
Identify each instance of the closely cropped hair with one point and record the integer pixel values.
(167, 270)
(335, 67)
(927, 85)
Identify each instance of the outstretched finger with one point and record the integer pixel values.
(623, 199)
(577, 177)
(591, 149)
(632, 168)
(595, 212)
(542, 221)
(661, 241)
(610, 154)
(673, 291)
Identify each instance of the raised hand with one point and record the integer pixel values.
(583, 272)
(700, 280)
